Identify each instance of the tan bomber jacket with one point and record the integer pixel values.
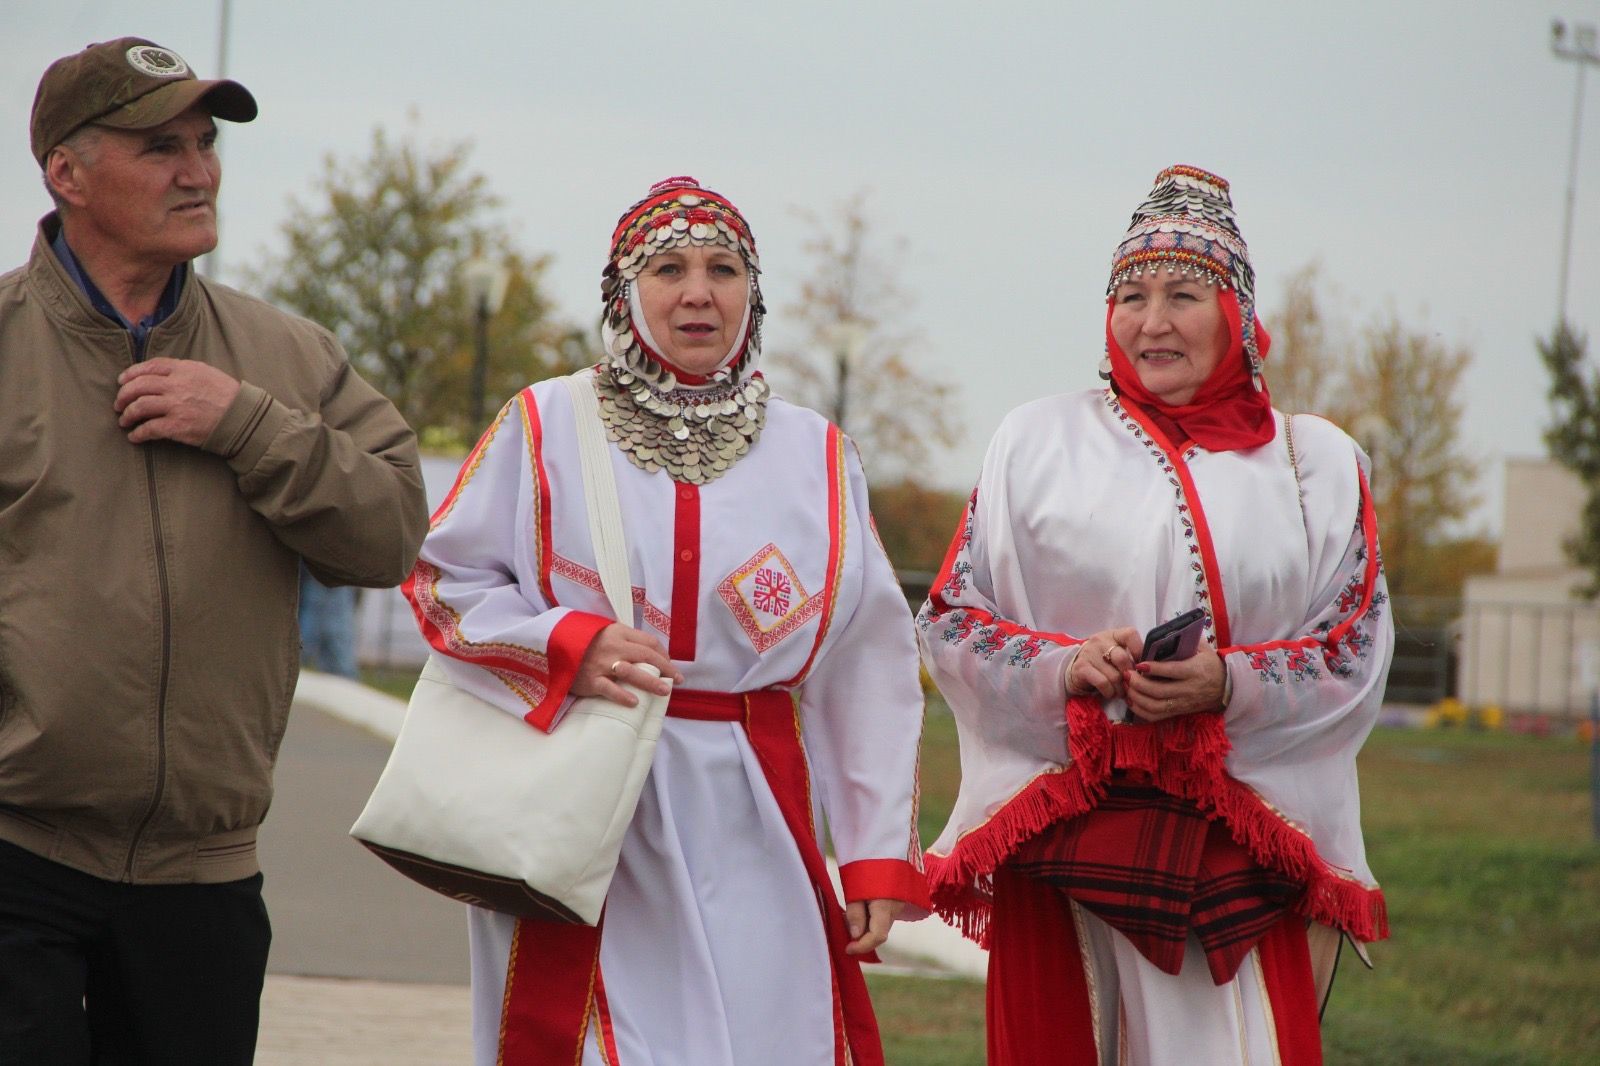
(148, 639)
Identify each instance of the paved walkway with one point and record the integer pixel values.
(329, 1021)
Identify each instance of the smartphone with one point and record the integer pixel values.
(1177, 638)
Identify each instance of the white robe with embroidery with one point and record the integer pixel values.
(713, 951)
(1081, 523)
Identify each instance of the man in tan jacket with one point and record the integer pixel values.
(169, 451)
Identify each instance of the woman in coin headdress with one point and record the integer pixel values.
(1161, 855)
(765, 597)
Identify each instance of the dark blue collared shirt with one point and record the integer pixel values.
(140, 329)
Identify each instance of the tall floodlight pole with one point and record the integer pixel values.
(848, 336)
(213, 258)
(1581, 48)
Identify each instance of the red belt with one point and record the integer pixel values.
(702, 706)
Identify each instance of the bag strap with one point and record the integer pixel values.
(600, 494)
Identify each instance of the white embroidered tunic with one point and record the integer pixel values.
(1085, 518)
(768, 577)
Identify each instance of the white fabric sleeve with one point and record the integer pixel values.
(861, 718)
(1319, 691)
(978, 652)
(1293, 700)
(478, 591)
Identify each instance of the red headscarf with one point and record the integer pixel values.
(1227, 412)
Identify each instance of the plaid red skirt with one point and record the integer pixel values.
(1153, 867)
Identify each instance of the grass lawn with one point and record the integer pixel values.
(396, 681)
(1482, 842)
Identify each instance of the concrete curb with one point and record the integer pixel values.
(930, 941)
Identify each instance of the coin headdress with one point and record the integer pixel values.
(663, 417)
(1186, 226)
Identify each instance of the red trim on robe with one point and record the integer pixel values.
(545, 1014)
(522, 670)
(1285, 961)
(569, 641)
(884, 879)
(535, 432)
(685, 571)
(469, 466)
(1202, 530)
(772, 723)
(836, 548)
(1038, 1005)
(607, 1034)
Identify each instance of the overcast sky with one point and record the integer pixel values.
(1419, 150)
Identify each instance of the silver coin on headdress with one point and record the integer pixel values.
(672, 425)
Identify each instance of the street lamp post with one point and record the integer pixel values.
(1581, 48)
(485, 281)
(848, 336)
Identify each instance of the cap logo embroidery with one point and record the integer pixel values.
(156, 62)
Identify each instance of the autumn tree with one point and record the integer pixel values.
(1573, 435)
(376, 256)
(915, 524)
(1401, 401)
(1305, 365)
(856, 361)
(1396, 390)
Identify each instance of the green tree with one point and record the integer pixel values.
(376, 254)
(855, 364)
(1573, 435)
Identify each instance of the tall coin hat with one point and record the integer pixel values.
(1187, 226)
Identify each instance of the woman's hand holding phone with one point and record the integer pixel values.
(1175, 675)
(1103, 662)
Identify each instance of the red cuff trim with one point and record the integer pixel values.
(569, 641)
(884, 879)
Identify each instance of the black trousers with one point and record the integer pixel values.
(111, 974)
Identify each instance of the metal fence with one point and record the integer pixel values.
(1426, 649)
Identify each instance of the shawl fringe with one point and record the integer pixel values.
(1182, 756)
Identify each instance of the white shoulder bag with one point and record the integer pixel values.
(483, 807)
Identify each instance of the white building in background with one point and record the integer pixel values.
(1529, 640)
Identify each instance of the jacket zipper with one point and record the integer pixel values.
(166, 649)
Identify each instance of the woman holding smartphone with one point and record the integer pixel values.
(1162, 852)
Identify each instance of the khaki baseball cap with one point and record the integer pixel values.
(129, 84)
